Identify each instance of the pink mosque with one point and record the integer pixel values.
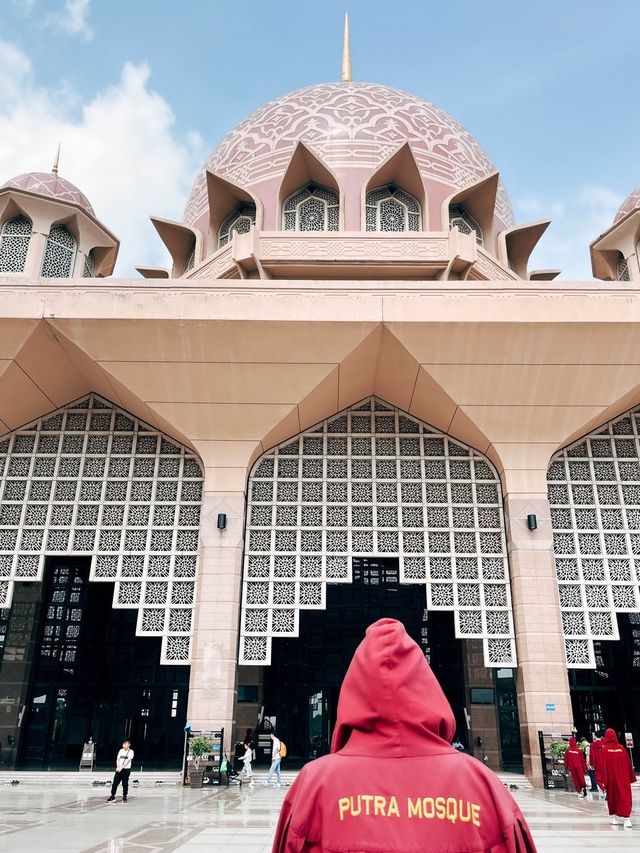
(347, 397)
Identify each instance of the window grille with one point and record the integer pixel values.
(463, 221)
(623, 269)
(59, 253)
(240, 220)
(88, 269)
(372, 481)
(312, 208)
(594, 494)
(91, 479)
(14, 244)
(391, 209)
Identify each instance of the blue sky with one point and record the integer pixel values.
(139, 91)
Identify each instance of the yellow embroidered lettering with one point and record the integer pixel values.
(452, 809)
(366, 799)
(414, 809)
(465, 818)
(343, 806)
(379, 804)
(440, 808)
(355, 813)
(394, 811)
(428, 808)
(475, 814)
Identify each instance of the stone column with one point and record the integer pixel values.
(542, 671)
(214, 656)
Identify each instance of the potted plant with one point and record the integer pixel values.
(199, 747)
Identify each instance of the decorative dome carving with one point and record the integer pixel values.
(348, 126)
(49, 184)
(628, 205)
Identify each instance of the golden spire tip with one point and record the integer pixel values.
(346, 53)
(56, 162)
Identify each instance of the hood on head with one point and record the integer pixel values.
(391, 698)
(573, 743)
(610, 736)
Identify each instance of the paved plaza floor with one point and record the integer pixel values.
(46, 818)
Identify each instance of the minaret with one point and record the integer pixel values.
(56, 162)
(346, 53)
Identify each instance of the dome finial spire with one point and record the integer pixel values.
(56, 161)
(346, 53)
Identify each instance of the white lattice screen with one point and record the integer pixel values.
(91, 479)
(374, 481)
(594, 493)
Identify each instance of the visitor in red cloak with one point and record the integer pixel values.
(393, 782)
(595, 757)
(617, 775)
(576, 764)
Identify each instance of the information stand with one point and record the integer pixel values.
(553, 772)
(88, 757)
(209, 764)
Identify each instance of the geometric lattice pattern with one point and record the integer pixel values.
(239, 220)
(312, 208)
(91, 479)
(14, 244)
(594, 494)
(375, 481)
(391, 209)
(59, 253)
(462, 220)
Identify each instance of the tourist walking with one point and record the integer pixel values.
(586, 747)
(124, 760)
(595, 758)
(576, 764)
(276, 758)
(247, 758)
(617, 776)
(393, 781)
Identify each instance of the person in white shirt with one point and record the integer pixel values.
(247, 772)
(124, 760)
(275, 762)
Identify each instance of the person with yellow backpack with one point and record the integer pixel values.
(278, 752)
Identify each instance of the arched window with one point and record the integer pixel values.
(313, 208)
(59, 253)
(463, 221)
(89, 268)
(391, 209)
(622, 269)
(239, 220)
(14, 244)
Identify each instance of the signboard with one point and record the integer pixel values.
(88, 755)
(628, 737)
(550, 706)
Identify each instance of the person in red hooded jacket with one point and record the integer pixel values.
(617, 775)
(393, 783)
(595, 758)
(576, 764)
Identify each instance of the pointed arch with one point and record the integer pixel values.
(304, 173)
(399, 173)
(372, 480)
(15, 238)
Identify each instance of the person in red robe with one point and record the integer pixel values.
(576, 764)
(595, 758)
(617, 775)
(393, 781)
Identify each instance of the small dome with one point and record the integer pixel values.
(48, 184)
(628, 205)
(349, 126)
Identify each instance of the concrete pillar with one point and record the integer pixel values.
(35, 253)
(542, 671)
(212, 687)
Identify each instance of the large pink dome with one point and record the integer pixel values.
(628, 205)
(348, 126)
(46, 183)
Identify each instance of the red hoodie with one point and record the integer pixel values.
(617, 775)
(393, 783)
(576, 764)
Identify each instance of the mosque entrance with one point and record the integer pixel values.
(87, 675)
(609, 695)
(303, 682)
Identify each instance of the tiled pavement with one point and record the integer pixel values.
(75, 818)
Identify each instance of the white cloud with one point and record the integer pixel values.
(73, 19)
(573, 227)
(121, 148)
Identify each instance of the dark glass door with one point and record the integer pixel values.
(92, 677)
